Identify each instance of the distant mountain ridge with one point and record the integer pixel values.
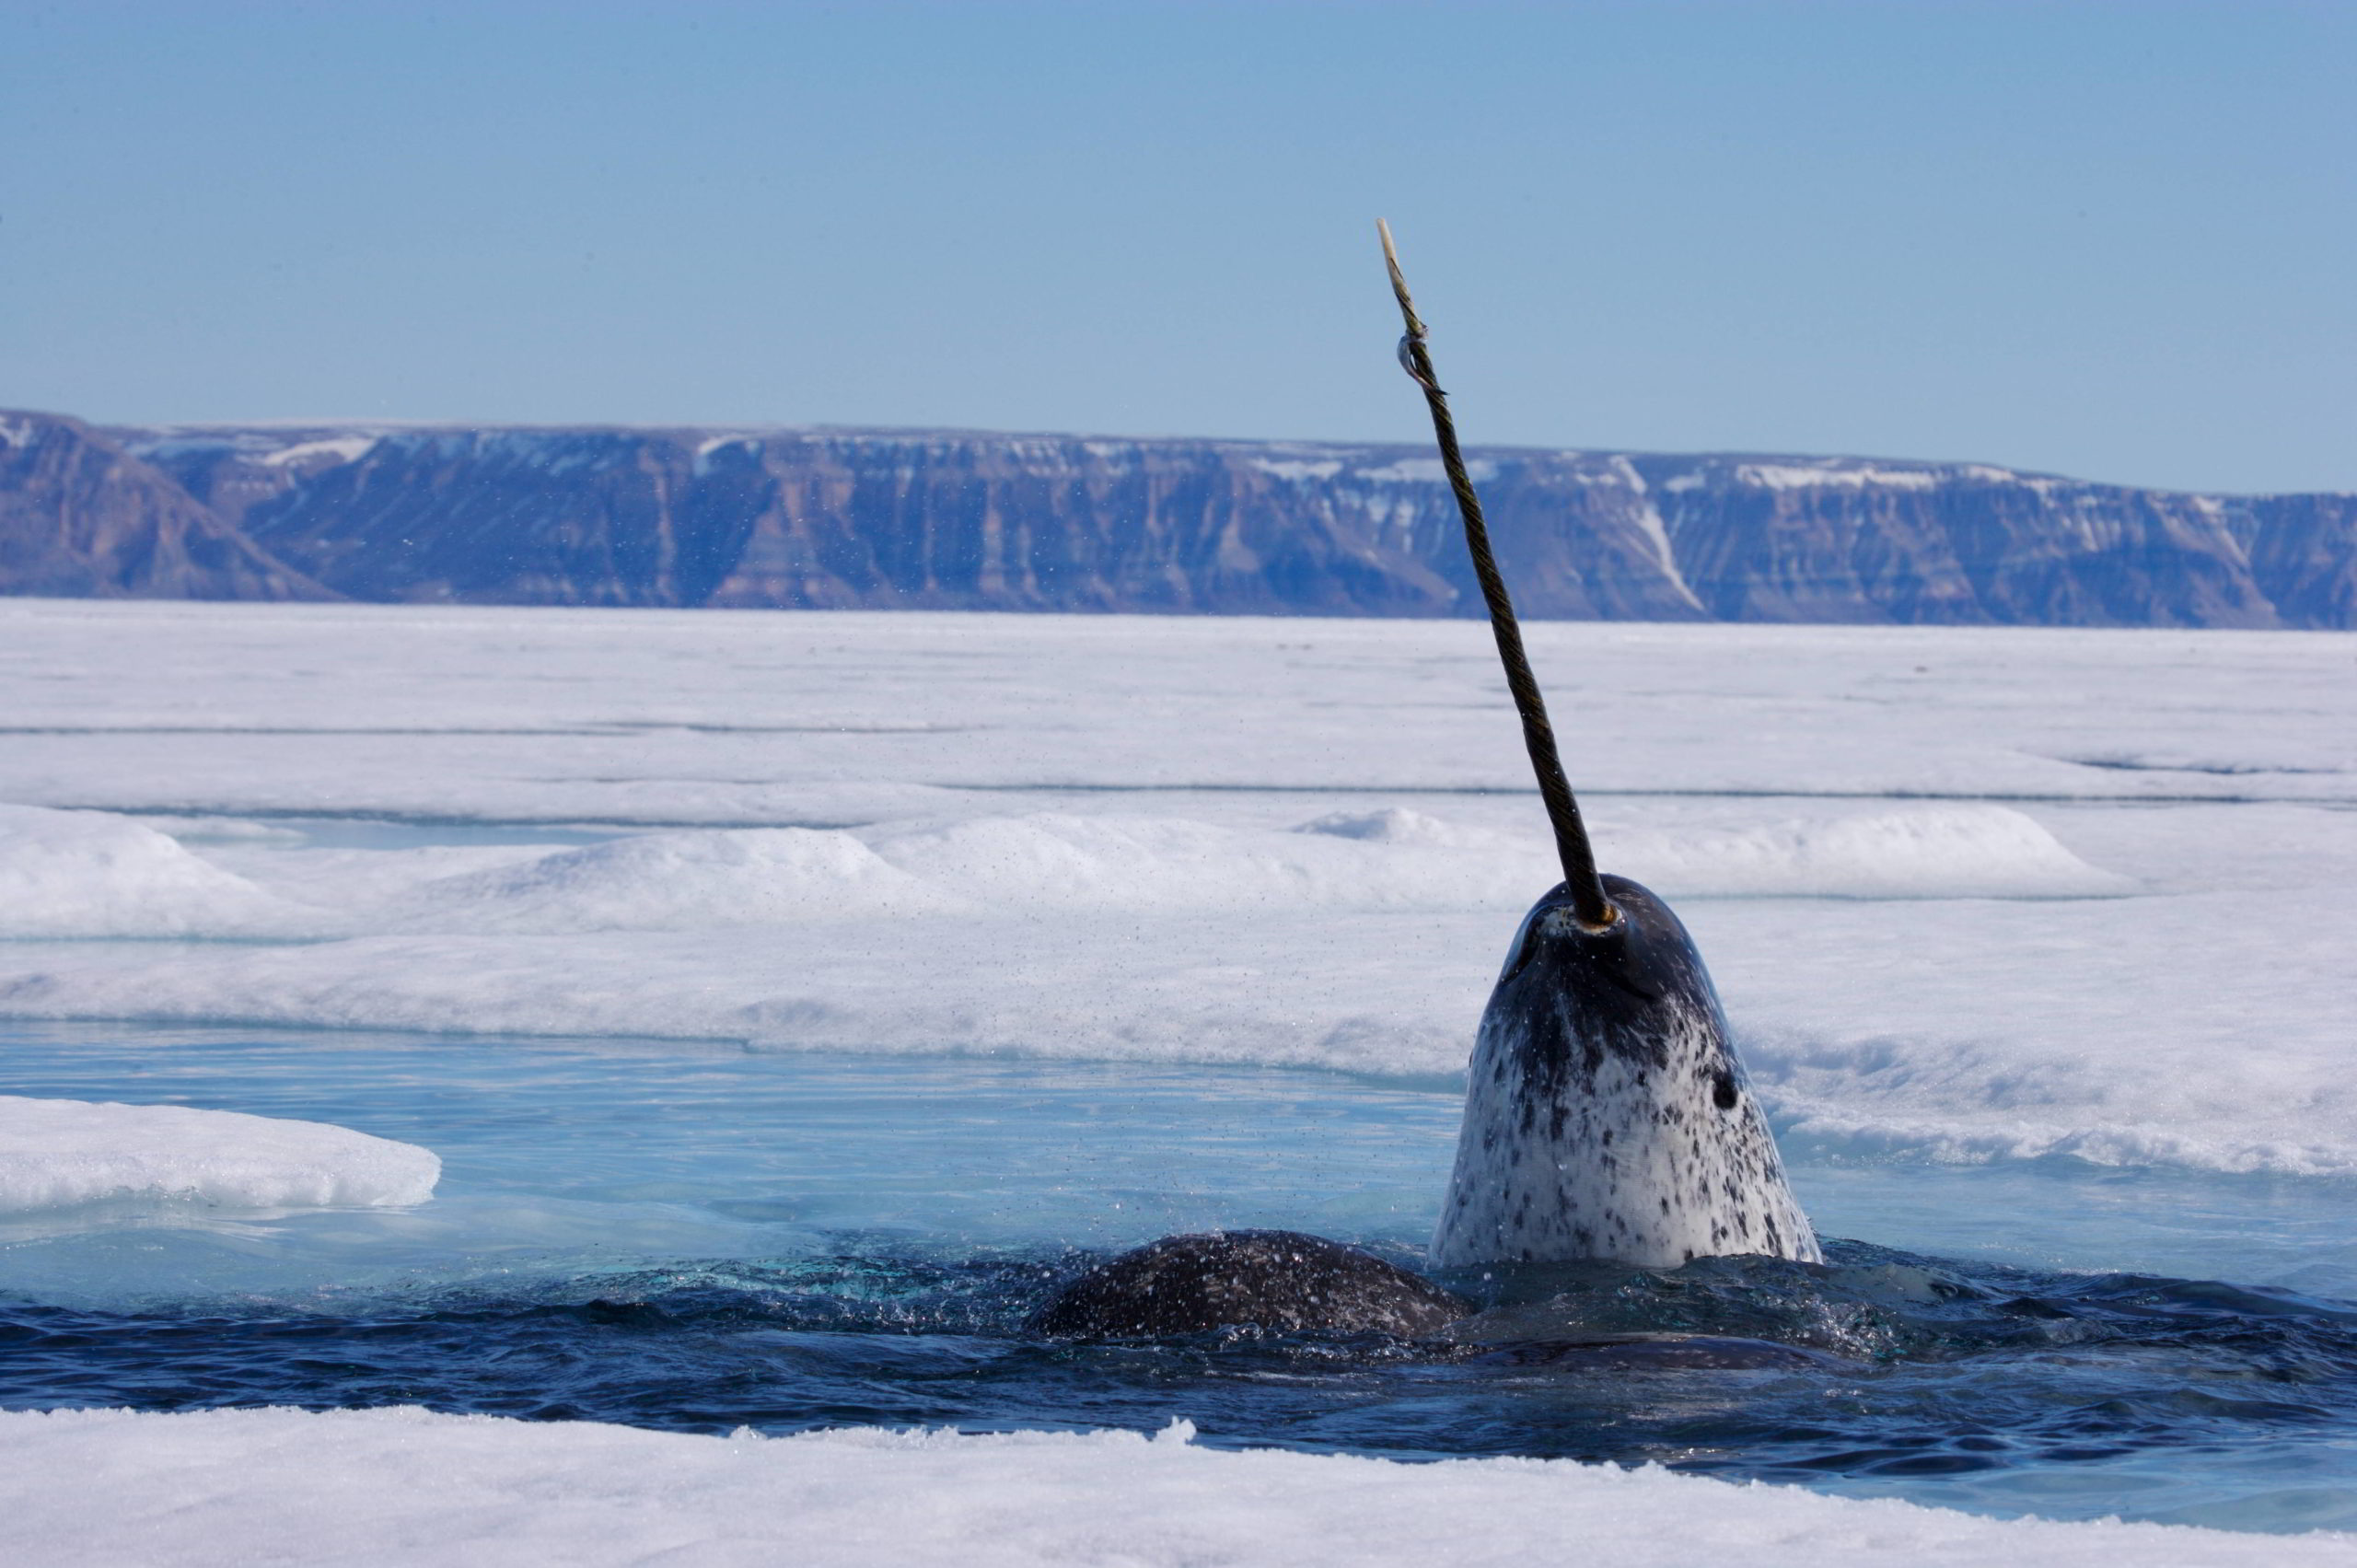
(967, 520)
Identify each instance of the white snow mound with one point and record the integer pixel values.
(88, 874)
(1394, 857)
(1399, 825)
(1921, 852)
(94, 874)
(56, 1154)
(368, 1487)
(677, 882)
(1049, 859)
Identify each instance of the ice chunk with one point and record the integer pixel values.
(364, 1487)
(57, 1154)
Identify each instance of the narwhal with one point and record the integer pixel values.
(1607, 1118)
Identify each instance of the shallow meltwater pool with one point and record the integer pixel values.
(700, 1237)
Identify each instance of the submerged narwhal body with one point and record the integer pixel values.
(1606, 1115)
(1605, 1118)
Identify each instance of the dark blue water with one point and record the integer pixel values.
(700, 1238)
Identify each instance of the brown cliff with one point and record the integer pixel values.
(965, 520)
(82, 518)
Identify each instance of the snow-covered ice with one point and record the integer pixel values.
(97, 875)
(402, 1485)
(60, 1154)
(91, 873)
(1970, 894)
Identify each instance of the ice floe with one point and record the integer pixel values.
(60, 1154)
(367, 1487)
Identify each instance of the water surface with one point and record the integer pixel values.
(698, 1237)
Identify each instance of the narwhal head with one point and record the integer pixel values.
(1606, 1114)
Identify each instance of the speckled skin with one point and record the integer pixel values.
(1606, 1116)
(1279, 1280)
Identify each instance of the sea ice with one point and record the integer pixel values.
(90, 873)
(58, 1154)
(402, 1484)
(675, 882)
(1969, 894)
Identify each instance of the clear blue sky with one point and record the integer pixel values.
(2113, 240)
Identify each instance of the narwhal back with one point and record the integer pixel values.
(1606, 1116)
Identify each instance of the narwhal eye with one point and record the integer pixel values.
(1723, 1092)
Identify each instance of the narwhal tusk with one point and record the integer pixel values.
(1589, 904)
